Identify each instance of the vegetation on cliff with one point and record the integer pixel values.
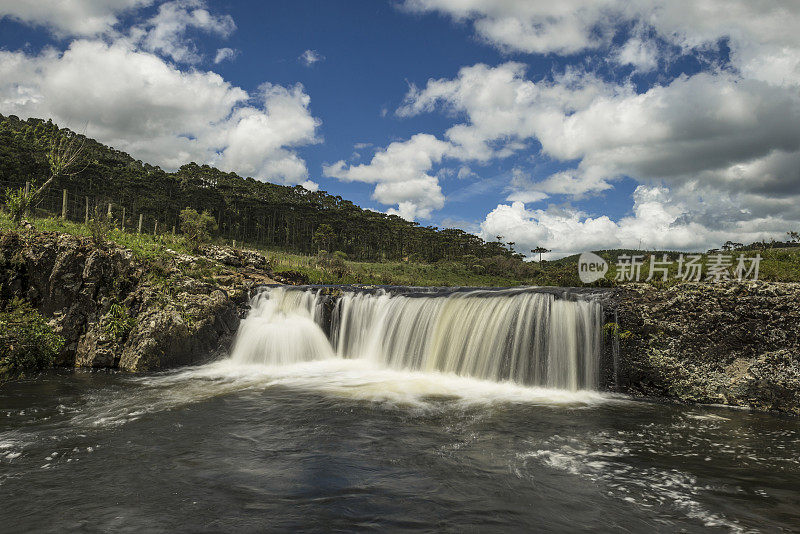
(28, 344)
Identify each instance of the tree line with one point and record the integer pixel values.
(244, 209)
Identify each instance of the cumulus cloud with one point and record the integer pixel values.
(563, 27)
(716, 127)
(70, 17)
(402, 176)
(165, 33)
(224, 54)
(502, 107)
(641, 54)
(762, 35)
(137, 102)
(729, 134)
(310, 57)
(257, 139)
(687, 218)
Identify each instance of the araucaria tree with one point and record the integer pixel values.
(63, 150)
(63, 155)
(540, 250)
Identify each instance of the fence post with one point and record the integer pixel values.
(64, 205)
(27, 188)
(155, 230)
(109, 210)
(122, 227)
(86, 216)
(173, 230)
(141, 216)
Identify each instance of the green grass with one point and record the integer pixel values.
(319, 270)
(323, 271)
(779, 264)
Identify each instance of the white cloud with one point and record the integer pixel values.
(70, 17)
(685, 219)
(641, 54)
(716, 132)
(563, 27)
(465, 172)
(401, 174)
(310, 185)
(310, 57)
(135, 101)
(224, 54)
(762, 34)
(707, 124)
(257, 140)
(503, 109)
(165, 32)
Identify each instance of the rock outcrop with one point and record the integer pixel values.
(735, 343)
(117, 311)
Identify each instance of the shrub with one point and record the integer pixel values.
(18, 204)
(197, 227)
(119, 323)
(27, 343)
(99, 226)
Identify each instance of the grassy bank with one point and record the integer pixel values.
(326, 269)
(777, 264)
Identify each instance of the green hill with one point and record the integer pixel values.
(246, 210)
(292, 223)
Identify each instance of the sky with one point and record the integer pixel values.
(574, 125)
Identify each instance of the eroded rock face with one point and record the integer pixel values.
(110, 312)
(728, 343)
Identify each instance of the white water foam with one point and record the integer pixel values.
(524, 337)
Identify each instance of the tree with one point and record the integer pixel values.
(63, 156)
(197, 227)
(324, 236)
(794, 237)
(540, 250)
(731, 245)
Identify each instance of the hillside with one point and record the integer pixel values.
(327, 239)
(247, 210)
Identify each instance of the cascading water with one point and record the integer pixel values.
(525, 337)
(519, 336)
(282, 328)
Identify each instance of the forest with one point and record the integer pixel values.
(247, 210)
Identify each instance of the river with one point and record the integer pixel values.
(322, 442)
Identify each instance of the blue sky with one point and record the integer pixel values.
(576, 126)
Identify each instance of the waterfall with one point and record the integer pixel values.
(282, 328)
(522, 336)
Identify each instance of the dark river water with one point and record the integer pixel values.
(344, 446)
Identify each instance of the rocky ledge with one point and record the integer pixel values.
(118, 311)
(728, 343)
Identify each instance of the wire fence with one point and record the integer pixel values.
(80, 206)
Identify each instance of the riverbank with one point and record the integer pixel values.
(732, 343)
(126, 308)
(144, 303)
(330, 268)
